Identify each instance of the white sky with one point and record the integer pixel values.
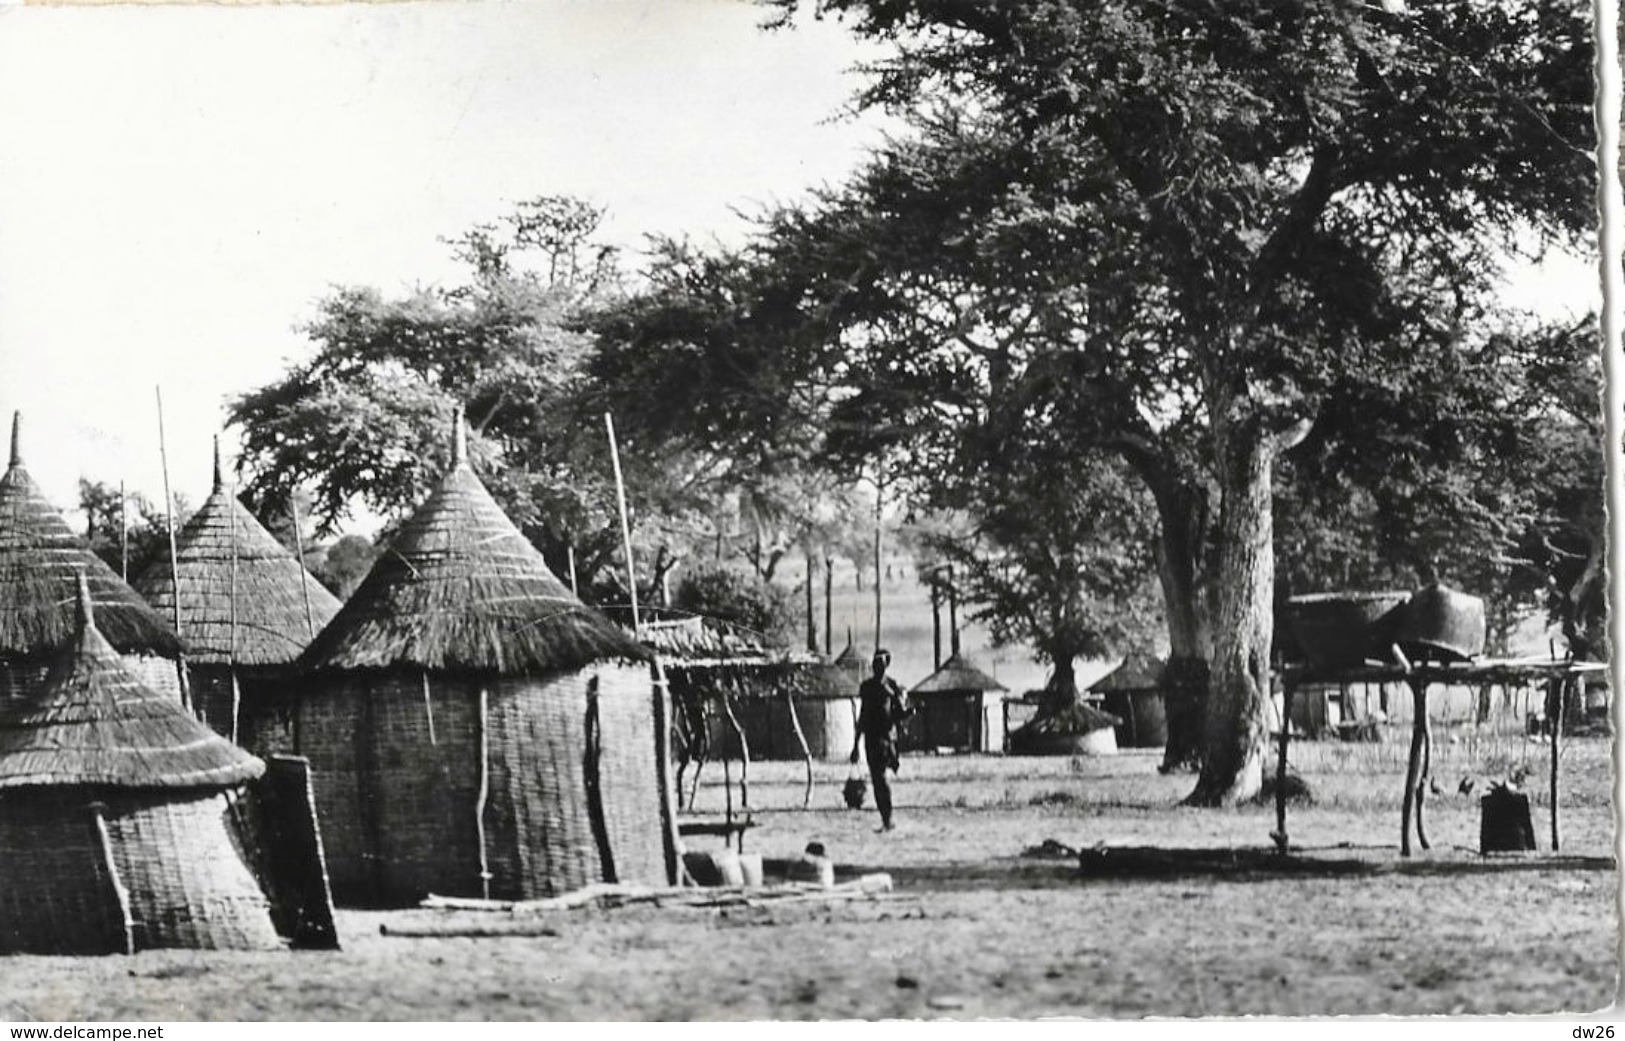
(180, 185)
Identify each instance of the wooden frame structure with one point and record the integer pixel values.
(1419, 677)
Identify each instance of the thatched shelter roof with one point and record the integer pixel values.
(223, 554)
(1137, 671)
(39, 557)
(96, 723)
(461, 589)
(849, 658)
(690, 641)
(958, 674)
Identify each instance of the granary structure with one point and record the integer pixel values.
(726, 687)
(114, 805)
(958, 707)
(39, 557)
(247, 610)
(474, 728)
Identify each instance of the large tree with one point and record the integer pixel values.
(364, 419)
(1278, 200)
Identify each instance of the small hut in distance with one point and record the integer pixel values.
(113, 811)
(1133, 693)
(247, 610)
(956, 707)
(39, 559)
(474, 728)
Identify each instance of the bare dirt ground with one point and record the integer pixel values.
(974, 929)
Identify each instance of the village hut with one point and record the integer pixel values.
(114, 805)
(475, 729)
(958, 708)
(782, 705)
(39, 557)
(247, 610)
(1133, 693)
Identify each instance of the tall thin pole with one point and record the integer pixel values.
(626, 525)
(953, 614)
(231, 652)
(879, 499)
(174, 556)
(304, 572)
(123, 536)
(573, 587)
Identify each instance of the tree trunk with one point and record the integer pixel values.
(829, 603)
(1185, 678)
(1233, 747)
(812, 617)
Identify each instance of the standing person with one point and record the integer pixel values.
(880, 709)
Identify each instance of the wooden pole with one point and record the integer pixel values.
(174, 557)
(669, 788)
(744, 752)
(936, 623)
(231, 629)
(123, 535)
(829, 604)
(1287, 688)
(484, 793)
(953, 615)
(1557, 737)
(304, 573)
(428, 707)
(879, 499)
(626, 525)
(806, 750)
(812, 618)
(120, 893)
(575, 589)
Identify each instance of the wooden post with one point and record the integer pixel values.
(936, 623)
(671, 843)
(829, 604)
(1288, 687)
(744, 752)
(879, 499)
(1427, 765)
(123, 535)
(806, 750)
(428, 707)
(574, 588)
(812, 619)
(626, 526)
(231, 604)
(174, 561)
(483, 794)
(1413, 769)
(304, 573)
(953, 616)
(120, 893)
(1557, 737)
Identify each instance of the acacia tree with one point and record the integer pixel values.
(1301, 193)
(364, 419)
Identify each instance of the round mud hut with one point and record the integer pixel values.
(39, 559)
(114, 810)
(248, 609)
(474, 729)
(957, 708)
(1133, 693)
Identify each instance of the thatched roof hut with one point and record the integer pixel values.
(113, 803)
(474, 727)
(956, 707)
(248, 609)
(1133, 692)
(39, 558)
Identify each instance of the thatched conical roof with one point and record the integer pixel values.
(96, 723)
(1137, 671)
(39, 557)
(461, 589)
(223, 548)
(958, 674)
